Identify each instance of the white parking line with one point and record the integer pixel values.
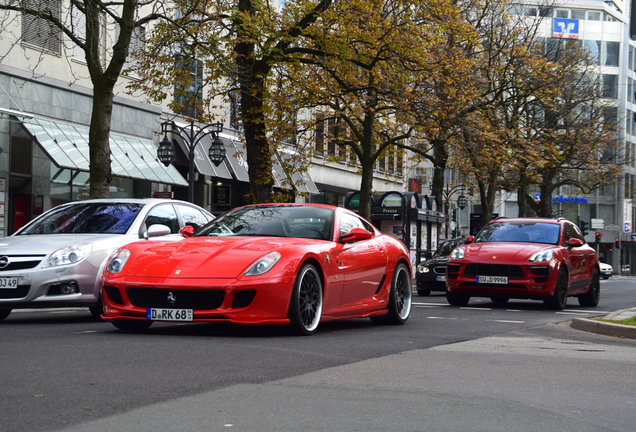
(475, 308)
(507, 321)
(441, 318)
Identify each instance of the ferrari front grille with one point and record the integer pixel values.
(195, 299)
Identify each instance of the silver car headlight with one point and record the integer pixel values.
(263, 265)
(68, 255)
(541, 256)
(118, 261)
(457, 253)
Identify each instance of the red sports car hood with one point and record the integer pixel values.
(505, 252)
(199, 257)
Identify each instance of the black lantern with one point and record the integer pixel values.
(165, 153)
(217, 151)
(462, 202)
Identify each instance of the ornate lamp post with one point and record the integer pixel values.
(191, 137)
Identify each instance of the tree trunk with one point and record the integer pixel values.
(99, 142)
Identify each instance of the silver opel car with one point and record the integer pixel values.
(56, 260)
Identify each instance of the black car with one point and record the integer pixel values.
(431, 274)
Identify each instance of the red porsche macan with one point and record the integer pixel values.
(538, 259)
(282, 264)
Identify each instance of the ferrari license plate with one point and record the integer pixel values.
(8, 282)
(169, 314)
(492, 279)
(440, 278)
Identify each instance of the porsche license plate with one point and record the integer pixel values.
(440, 278)
(492, 279)
(169, 314)
(8, 282)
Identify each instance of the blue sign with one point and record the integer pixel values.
(565, 28)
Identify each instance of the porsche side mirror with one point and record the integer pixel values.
(574, 242)
(356, 235)
(187, 231)
(469, 239)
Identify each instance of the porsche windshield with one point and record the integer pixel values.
(273, 221)
(524, 232)
(81, 218)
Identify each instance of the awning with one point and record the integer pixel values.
(302, 180)
(131, 157)
(202, 161)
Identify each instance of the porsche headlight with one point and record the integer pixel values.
(68, 255)
(263, 265)
(457, 253)
(541, 256)
(118, 261)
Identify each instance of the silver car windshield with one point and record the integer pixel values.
(526, 232)
(82, 218)
(273, 221)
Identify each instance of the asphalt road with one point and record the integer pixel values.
(482, 367)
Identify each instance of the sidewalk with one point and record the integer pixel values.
(608, 329)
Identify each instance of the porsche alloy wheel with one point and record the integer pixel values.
(400, 298)
(560, 297)
(305, 309)
(131, 325)
(591, 298)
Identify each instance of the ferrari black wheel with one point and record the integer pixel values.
(560, 297)
(591, 298)
(305, 308)
(4, 313)
(132, 325)
(400, 298)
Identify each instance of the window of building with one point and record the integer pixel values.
(320, 134)
(577, 14)
(39, 31)
(630, 57)
(609, 17)
(628, 122)
(546, 12)
(610, 53)
(530, 11)
(594, 16)
(630, 96)
(610, 86)
(560, 13)
(594, 48)
(136, 44)
(189, 95)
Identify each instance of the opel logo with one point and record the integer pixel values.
(4, 261)
(171, 298)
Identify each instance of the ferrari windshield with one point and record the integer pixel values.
(525, 232)
(274, 221)
(82, 218)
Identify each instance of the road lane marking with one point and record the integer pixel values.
(507, 321)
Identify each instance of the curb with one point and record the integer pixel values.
(604, 328)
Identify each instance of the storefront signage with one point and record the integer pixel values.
(627, 215)
(565, 28)
(569, 199)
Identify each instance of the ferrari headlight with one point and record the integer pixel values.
(68, 255)
(118, 261)
(541, 256)
(263, 265)
(457, 253)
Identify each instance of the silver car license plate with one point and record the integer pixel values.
(156, 314)
(8, 282)
(492, 279)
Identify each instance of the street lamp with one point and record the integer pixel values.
(191, 137)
